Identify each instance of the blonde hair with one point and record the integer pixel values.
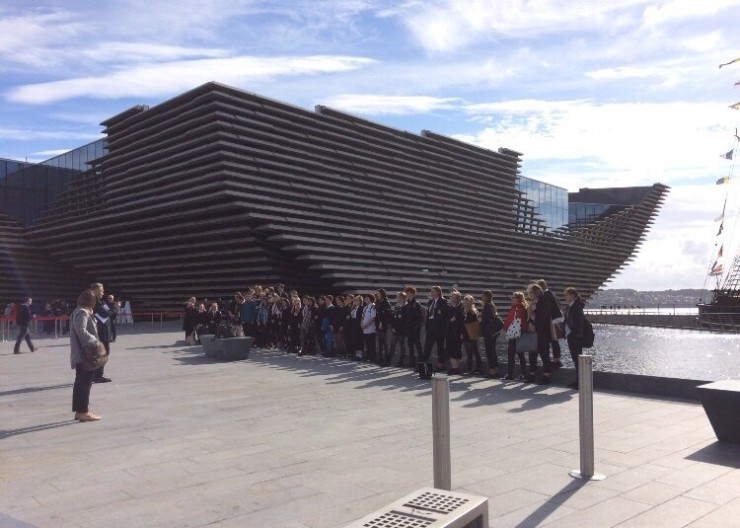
(535, 290)
(469, 302)
(521, 298)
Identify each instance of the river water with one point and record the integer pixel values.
(665, 352)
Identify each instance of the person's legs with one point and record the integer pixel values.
(543, 350)
(532, 364)
(442, 354)
(383, 358)
(22, 334)
(414, 340)
(329, 340)
(98, 375)
(428, 343)
(489, 344)
(81, 390)
(511, 354)
(469, 356)
(575, 345)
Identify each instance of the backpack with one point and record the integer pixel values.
(588, 333)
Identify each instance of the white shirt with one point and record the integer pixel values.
(368, 318)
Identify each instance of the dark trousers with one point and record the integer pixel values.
(556, 352)
(473, 355)
(489, 344)
(383, 358)
(543, 351)
(414, 341)
(434, 336)
(97, 374)
(398, 340)
(340, 345)
(113, 332)
(81, 389)
(248, 329)
(575, 345)
(23, 334)
(512, 354)
(369, 347)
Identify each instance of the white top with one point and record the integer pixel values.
(368, 318)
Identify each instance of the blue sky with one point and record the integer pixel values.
(621, 92)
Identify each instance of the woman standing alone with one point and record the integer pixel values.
(83, 333)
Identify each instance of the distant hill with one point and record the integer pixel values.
(647, 299)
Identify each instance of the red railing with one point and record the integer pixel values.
(59, 320)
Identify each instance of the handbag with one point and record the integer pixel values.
(95, 355)
(473, 330)
(514, 330)
(527, 342)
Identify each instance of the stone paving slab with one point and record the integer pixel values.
(285, 441)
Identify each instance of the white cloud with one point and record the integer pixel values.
(370, 104)
(167, 78)
(674, 10)
(634, 143)
(46, 154)
(19, 134)
(681, 245)
(447, 25)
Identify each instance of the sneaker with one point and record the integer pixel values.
(508, 377)
(102, 379)
(544, 380)
(573, 385)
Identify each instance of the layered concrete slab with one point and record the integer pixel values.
(285, 441)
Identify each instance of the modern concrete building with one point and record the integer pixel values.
(218, 188)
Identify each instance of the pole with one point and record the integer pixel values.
(441, 432)
(586, 419)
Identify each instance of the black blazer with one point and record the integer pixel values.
(414, 317)
(574, 318)
(440, 314)
(455, 321)
(23, 315)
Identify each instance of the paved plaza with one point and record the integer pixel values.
(285, 441)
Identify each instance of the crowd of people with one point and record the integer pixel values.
(369, 328)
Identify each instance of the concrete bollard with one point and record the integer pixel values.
(586, 419)
(441, 432)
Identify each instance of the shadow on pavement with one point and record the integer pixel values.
(472, 390)
(28, 390)
(7, 433)
(719, 453)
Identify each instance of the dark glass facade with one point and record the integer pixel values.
(550, 202)
(28, 189)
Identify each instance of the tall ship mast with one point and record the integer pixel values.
(722, 313)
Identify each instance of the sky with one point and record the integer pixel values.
(594, 94)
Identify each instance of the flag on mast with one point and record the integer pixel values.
(728, 155)
(716, 270)
(731, 62)
(723, 180)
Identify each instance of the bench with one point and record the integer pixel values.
(430, 508)
(226, 348)
(721, 401)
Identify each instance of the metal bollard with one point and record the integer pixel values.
(441, 432)
(586, 419)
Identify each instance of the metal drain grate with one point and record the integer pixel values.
(395, 519)
(430, 508)
(437, 502)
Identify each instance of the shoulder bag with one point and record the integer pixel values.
(94, 354)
